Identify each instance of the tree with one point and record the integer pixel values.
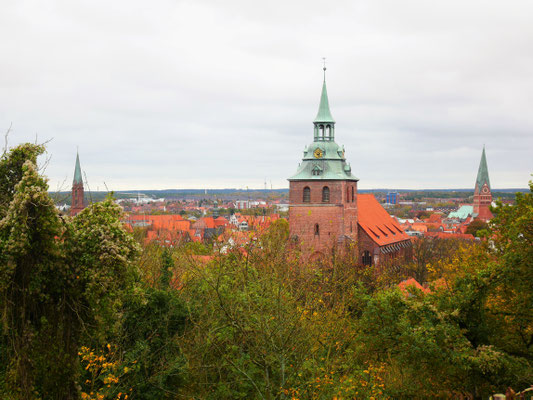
(167, 266)
(29, 288)
(153, 322)
(474, 335)
(59, 279)
(476, 227)
(511, 304)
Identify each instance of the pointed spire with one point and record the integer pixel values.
(324, 114)
(77, 171)
(483, 172)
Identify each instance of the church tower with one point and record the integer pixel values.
(323, 192)
(77, 189)
(482, 193)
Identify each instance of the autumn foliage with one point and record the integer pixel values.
(89, 313)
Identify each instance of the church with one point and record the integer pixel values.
(78, 197)
(482, 192)
(325, 211)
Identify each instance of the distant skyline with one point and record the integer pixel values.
(206, 94)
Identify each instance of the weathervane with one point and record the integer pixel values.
(324, 68)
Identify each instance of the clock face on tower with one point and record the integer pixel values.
(485, 189)
(318, 153)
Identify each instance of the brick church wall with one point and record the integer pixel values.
(77, 199)
(367, 244)
(482, 202)
(336, 219)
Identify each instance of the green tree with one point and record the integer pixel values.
(30, 281)
(476, 227)
(474, 335)
(153, 322)
(512, 272)
(167, 266)
(268, 325)
(59, 279)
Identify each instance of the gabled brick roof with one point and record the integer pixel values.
(376, 221)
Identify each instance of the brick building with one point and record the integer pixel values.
(324, 213)
(78, 197)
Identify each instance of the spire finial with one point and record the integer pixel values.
(324, 115)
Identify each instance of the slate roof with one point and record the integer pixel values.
(376, 221)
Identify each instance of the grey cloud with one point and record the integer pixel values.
(211, 94)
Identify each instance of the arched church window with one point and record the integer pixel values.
(317, 230)
(328, 131)
(347, 195)
(325, 194)
(321, 131)
(353, 194)
(307, 194)
(367, 258)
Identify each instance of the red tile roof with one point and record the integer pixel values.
(209, 222)
(170, 222)
(376, 221)
(221, 221)
(445, 235)
(435, 218)
(404, 286)
(420, 227)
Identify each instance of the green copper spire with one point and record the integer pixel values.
(324, 114)
(324, 159)
(483, 172)
(77, 171)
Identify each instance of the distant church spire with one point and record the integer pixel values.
(324, 123)
(483, 172)
(77, 171)
(78, 202)
(482, 192)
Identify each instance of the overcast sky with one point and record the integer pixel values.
(215, 94)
